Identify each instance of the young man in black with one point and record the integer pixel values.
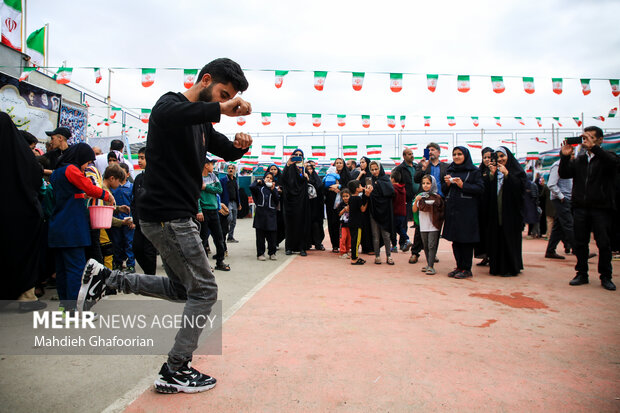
(143, 249)
(180, 134)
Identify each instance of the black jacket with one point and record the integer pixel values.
(407, 180)
(593, 182)
(419, 172)
(180, 133)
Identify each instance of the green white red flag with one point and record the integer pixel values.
(148, 77)
(240, 121)
(366, 121)
(249, 160)
(373, 150)
(114, 111)
(539, 122)
(319, 80)
(431, 82)
(541, 140)
(577, 121)
(35, 47)
(98, 75)
(249, 152)
(358, 80)
(189, 77)
(498, 84)
(342, 120)
(497, 121)
(268, 150)
(509, 142)
(316, 120)
(528, 85)
(292, 119)
(288, 150)
(557, 119)
(265, 118)
(532, 156)
(601, 118)
(520, 120)
(475, 120)
(276, 160)
(26, 72)
(11, 14)
(427, 121)
(349, 150)
(585, 86)
(396, 82)
(402, 121)
(318, 151)
(557, 85)
(451, 121)
(391, 121)
(462, 83)
(615, 87)
(145, 115)
(396, 159)
(104, 121)
(280, 77)
(444, 146)
(612, 113)
(63, 75)
(412, 146)
(474, 145)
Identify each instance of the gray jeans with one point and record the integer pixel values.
(377, 232)
(189, 279)
(430, 240)
(233, 206)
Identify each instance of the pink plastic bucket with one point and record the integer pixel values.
(100, 216)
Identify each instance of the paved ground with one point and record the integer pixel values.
(323, 335)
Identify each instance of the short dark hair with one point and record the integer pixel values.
(112, 155)
(224, 70)
(30, 138)
(396, 175)
(353, 185)
(114, 171)
(598, 132)
(433, 145)
(142, 150)
(125, 167)
(117, 145)
(345, 191)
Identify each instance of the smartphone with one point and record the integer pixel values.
(368, 181)
(427, 154)
(296, 159)
(577, 140)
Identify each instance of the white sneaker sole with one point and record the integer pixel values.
(167, 388)
(86, 283)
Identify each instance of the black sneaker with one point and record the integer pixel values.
(187, 380)
(93, 285)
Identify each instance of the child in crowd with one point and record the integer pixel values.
(358, 201)
(381, 211)
(345, 234)
(430, 206)
(266, 199)
(399, 204)
(331, 177)
(122, 238)
(144, 251)
(208, 214)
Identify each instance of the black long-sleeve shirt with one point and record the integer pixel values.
(180, 133)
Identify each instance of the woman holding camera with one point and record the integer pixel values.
(296, 210)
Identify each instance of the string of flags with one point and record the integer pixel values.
(396, 83)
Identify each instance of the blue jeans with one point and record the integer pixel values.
(122, 242)
(189, 279)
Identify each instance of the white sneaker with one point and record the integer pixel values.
(261, 258)
(273, 257)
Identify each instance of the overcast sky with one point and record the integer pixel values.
(569, 39)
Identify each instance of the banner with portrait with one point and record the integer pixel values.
(74, 117)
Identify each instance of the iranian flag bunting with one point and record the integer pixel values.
(532, 156)
(475, 120)
(585, 86)
(189, 77)
(601, 118)
(396, 82)
(114, 111)
(509, 142)
(391, 121)
(612, 113)
(427, 121)
(148, 77)
(577, 121)
(292, 119)
(396, 159)
(366, 121)
(249, 160)
(431, 82)
(402, 121)
(145, 115)
(615, 87)
(288, 150)
(268, 150)
(342, 120)
(539, 122)
(540, 140)
(557, 85)
(26, 72)
(373, 150)
(475, 145)
(249, 152)
(358, 80)
(63, 76)
(240, 121)
(528, 85)
(462, 82)
(520, 120)
(497, 121)
(280, 77)
(349, 150)
(11, 12)
(276, 160)
(557, 119)
(35, 46)
(412, 146)
(444, 146)
(318, 150)
(319, 80)
(266, 118)
(98, 75)
(498, 84)
(316, 119)
(451, 121)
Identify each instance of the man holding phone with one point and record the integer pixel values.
(593, 200)
(431, 165)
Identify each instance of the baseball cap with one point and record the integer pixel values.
(61, 130)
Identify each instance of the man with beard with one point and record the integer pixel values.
(180, 134)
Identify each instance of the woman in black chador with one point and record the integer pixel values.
(366, 242)
(277, 180)
(296, 209)
(505, 219)
(480, 250)
(316, 233)
(333, 219)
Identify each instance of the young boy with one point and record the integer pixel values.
(399, 205)
(122, 238)
(143, 249)
(266, 199)
(208, 214)
(358, 202)
(345, 234)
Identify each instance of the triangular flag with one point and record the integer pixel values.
(539, 140)
(396, 82)
(63, 76)
(240, 121)
(615, 88)
(557, 119)
(316, 119)
(498, 84)
(557, 85)
(402, 121)
(104, 121)
(577, 121)
(319, 80)
(26, 72)
(451, 121)
(269, 150)
(497, 121)
(476, 121)
(189, 77)
(358, 80)
(585, 86)
(601, 118)
(462, 82)
(373, 149)
(431, 82)
(35, 45)
(145, 115)
(148, 77)
(520, 120)
(396, 159)
(528, 85)
(280, 78)
(292, 119)
(366, 121)
(612, 113)
(266, 118)
(11, 12)
(539, 122)
(427, 121)
(342, 120)
(318, 150)
(475, 145)
(391, 121)
(114, 111)
(98, 75)
(349, 150)
(288, 150)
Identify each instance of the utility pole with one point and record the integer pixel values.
(109, 97)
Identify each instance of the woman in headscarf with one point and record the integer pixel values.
(505, 212)
(480, 250)
(316, 233)
(331, 193)
(381, 211)
(296, 210)
(22, 228)
(366, 242)
(462, 187)
(277, 180)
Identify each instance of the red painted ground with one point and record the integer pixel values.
(327, 336)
